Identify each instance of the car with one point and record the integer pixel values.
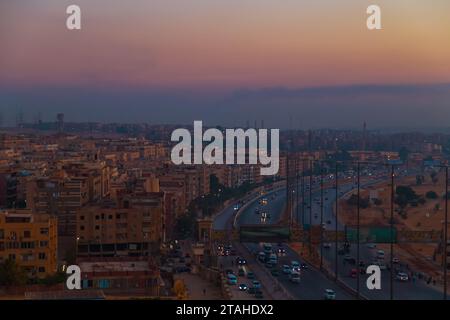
(349, 259)
(286, 269)
(294, 276)
(241, 261)
(295, 264)
(231, 279)
(267, 248)
(402, 276)
(269, 264)
(371, 245)
(243, 287)
(273, 259)
(251, 290)
(330, 294)
(256, 284)
(250, 275)
(395, 260)
(380, 254)
(304, 266)
(241, 272)
(229, 271)
(262, 256)
(275, 272)
(281, 250)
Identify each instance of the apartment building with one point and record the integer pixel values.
(30, 240)
(132, 227)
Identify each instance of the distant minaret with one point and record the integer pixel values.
(60, 122)
(309, 140)
(19, 118)
(364, 136)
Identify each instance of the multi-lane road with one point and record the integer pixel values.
(314, 282)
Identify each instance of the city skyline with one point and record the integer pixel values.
(287, 65)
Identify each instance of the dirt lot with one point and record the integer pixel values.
(424, 217)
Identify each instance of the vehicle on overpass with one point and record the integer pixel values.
(329, 294)
(231, 279)
(294, 276)
(267, 248)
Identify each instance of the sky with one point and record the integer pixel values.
(175, 61)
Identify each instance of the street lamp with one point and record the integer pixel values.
(76, 248)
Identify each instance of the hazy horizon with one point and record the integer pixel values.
(300, 64)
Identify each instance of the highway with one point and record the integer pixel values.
(313, 282)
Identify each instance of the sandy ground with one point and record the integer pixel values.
(427, 217)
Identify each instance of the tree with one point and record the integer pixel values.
(406, 192)
(11, 274)
(185, 225)
(353, 201)
(431, 195)
(214, 183)
(433, 176)
(405, 195)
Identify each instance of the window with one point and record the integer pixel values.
(2, 234)
(27, 234)
(42, 256)
(110, 217)
(81, 217)
(41, 269)
(44, 231)
(81, 227)
(27, 257)
(12, 245)
(97, 217)
(27, 245)
(43, 244)
(97, 227)
(12, 257)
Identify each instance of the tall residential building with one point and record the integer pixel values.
(131, 228)
(30, 240)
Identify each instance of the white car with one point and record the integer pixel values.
(401, 276)
(287, 269)
(330, 294)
